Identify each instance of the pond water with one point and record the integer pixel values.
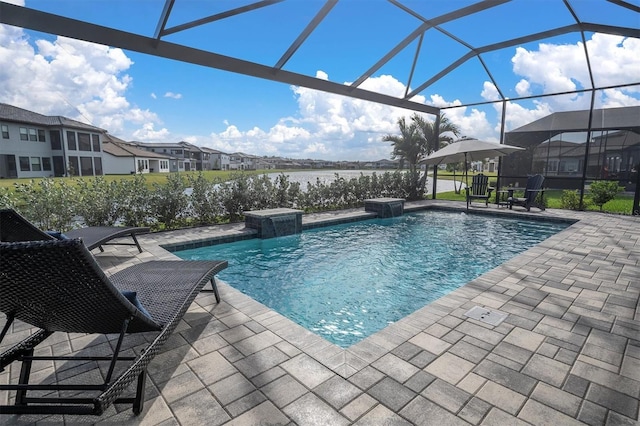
(328, 176)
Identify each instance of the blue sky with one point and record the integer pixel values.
(139, 97)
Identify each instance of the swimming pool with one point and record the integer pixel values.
(346, 282)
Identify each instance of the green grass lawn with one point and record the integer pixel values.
(622, 204)
(150, 178)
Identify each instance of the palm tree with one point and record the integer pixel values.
(430, 134)
(407, 147)
(417, 140)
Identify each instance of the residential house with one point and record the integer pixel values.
(217, 160)
(34, 145)
(122, 157)
(565, 147)
(187, 157)
(382, 164)
(242, 161)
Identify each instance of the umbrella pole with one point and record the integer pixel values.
(466, 180)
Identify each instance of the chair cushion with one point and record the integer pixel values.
(57, 235)
(132, 297)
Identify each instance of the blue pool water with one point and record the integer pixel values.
(346, 282)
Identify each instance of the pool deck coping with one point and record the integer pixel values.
(568, 352)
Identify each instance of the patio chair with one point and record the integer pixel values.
(479, 190)
(14, 227)
(56, 285)
(533, 188)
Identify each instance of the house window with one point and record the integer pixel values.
(87, 166)
(56, 143)
(164, 164)
(5, 131)
(33, 135)
(35, 164)
(46, 164)
(84, 141)
(24, 135)
(74, 166)
(41, 136)
(95, 140)
(71, 141)
(97, 162)
(24, 164)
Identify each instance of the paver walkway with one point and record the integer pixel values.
(567, 353)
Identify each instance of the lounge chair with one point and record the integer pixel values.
(534, 187)
(479, 190)
(56, 285)
(14, 227)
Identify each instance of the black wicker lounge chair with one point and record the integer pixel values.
(56, 285)
(14, 227)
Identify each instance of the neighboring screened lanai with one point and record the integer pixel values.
(428, 46)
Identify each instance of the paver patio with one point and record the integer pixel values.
(567, 353)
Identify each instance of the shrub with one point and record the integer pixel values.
(570, 200)
(205, 200)
(99, 202)
(49, 203)
(7, 199)
(286, 194)
(169, 203)
(135, 201)
(235, 197)
(603, 191)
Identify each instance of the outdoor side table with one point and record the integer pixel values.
(502, 199)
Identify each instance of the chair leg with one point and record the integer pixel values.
(138, 404)
(25, 372)
(214, 289)
(214, 286)
(135, 240)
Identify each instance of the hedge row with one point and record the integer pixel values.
(62, 204)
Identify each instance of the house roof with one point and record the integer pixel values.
(212, 151)
(179, 145)
(626, 118)
(19, 115)
(119, 148)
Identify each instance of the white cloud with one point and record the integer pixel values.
(489, 91)
(73, 78)
(148, 134)
(560, 68)
(523, 88)
(153, 96)
(173, 95)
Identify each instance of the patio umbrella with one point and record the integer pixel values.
(469, 150)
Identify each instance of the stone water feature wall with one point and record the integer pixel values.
(385, 207)
(272, 223)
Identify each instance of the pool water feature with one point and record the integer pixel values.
(346, 282)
